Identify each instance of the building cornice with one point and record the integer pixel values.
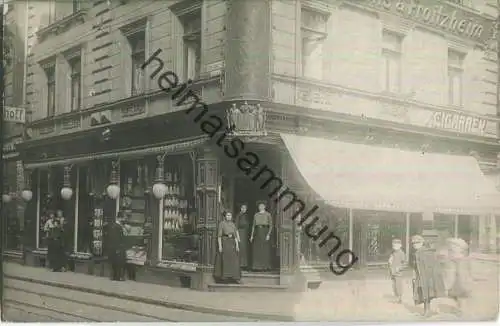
(63, 24)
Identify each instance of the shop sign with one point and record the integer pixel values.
(461, 123)
(438, 14)
(402, 112)
(17, 115)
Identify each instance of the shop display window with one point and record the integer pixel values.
(135, 181)
(179, 242)
(337, 221)
(50, 203)
(445, 224)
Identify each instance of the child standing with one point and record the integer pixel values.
(396, 263)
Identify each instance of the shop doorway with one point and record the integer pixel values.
(249, 192)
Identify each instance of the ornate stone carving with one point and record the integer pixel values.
(247, 119)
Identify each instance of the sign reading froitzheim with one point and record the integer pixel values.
(439, 15)
(11, 114)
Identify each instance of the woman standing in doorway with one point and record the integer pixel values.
(260, 238)
(227, 263)
(243, 224)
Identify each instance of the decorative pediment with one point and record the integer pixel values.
(246, 119)
(62, 25)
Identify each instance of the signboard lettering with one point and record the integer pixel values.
(438, 14)
(458, 122)
(11, 114)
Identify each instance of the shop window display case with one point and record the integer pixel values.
(134, 204)
(179, 239)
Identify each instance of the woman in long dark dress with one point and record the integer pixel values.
(260, 238)
(227, 263)
(243, 224)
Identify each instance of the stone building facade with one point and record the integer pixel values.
(365, 76)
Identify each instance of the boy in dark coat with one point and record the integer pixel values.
(396, 262)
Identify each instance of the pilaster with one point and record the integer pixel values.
(208, 213)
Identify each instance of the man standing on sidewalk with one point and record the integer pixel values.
(116, 248)
(428, 281)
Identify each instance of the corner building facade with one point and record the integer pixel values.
(383, 119)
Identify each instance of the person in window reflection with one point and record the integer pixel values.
(116, 248)
(260, 238)
(243, 224)
(227, 264)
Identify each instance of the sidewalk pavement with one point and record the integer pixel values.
(350, 300)
(486, 257)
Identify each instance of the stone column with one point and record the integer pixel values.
(248, 50)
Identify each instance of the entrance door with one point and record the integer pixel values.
(248, 191)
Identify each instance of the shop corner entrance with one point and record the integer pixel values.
(247, 191)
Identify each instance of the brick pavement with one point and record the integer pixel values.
(355, 300)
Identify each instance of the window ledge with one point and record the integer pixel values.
(63, 24)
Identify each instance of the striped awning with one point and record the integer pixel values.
(171, 147)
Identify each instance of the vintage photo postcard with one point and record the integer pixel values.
(250, 160)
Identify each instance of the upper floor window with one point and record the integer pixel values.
(455, 77)
(138, 56)
(76, 6)
(391, 61)
(313, 33)
(76, 83)
(191, 24)
(52, 11)
(50, 73)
